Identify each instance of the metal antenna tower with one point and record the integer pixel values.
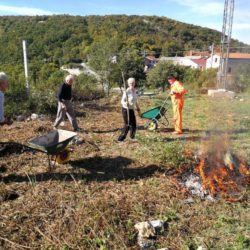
(225, 43)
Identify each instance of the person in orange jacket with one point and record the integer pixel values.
(177, 92)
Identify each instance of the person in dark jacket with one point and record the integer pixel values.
(65, 106)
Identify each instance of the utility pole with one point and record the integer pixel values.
(225, 43)
(25, 60)
(212, 55)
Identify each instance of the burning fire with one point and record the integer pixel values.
(224, 175)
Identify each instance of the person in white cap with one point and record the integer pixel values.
(129, 103)
(65, 106)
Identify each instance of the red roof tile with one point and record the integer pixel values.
(238, 55)
(200, 62)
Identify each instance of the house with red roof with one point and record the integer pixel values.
(194, 62)
(150, 62)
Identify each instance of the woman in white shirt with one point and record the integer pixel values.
(129, 103)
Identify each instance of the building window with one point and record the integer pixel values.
(229, 70)
(216, 59)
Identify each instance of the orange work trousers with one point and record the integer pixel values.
(178, 104)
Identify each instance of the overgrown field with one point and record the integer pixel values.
(94, 201)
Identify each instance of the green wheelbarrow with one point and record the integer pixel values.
(54, 144)
(157, 115)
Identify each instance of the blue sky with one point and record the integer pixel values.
(207, 13)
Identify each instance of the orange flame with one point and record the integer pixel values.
(221, 179)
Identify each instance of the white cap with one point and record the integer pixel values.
(3, 77)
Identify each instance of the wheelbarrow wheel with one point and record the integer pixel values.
(153, 126)
(63, 157)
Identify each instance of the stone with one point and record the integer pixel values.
(188, 201)
(20, 118)
(147, 232)
(42, 117)
(158, 225)
(145, 229)
(145, 244)
(34, 117)
(201, 248)
(221, 93)
(62, 124)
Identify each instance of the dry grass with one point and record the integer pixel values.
(94, 201)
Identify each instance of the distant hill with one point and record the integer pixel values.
(65, 39)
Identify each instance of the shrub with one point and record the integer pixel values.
(15, 102)
(193, 78)
(200, 79)
(157, 77)
(241, 78)
(86, 88)
(42, 102)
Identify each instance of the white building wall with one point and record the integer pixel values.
(213, 62)
(181, 61)
(232, 63)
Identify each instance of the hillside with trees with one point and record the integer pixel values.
(61, 39)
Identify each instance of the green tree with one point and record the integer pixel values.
(101, 59)
(157, 77)
(131, 63)
(86, 87)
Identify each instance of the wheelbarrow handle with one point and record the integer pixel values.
(165, 101)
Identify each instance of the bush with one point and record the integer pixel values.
(242, 78)
(192, 78)
(42, 102)
(200, 79)
(157, 77)
(15, 102)
(86, 88)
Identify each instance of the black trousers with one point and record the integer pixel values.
(128, 127)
